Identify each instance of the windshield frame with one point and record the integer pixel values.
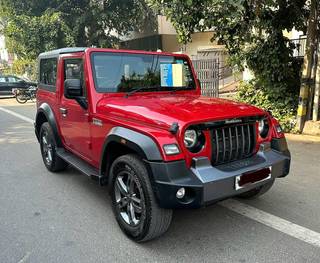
(94, 51)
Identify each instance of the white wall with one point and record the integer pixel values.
(293, 34)
(3, 51)
(165, 27)
(200, 41)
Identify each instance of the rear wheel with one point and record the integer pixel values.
(254, 193)
(48, 149)
(134, 204)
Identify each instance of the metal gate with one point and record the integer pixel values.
(208, 74)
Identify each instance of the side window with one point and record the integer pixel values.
(2, 79)
(48, 72)
(73, 69)
(12, 79)
(19, 80)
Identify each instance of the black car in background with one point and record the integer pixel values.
(9, 82)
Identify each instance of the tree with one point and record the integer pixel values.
(35, 26)
(28, 36)
(251, 30)
(309, 67)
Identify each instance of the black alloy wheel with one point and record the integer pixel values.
(134, 204)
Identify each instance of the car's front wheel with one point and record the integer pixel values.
(134, 204)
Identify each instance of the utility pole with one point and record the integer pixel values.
(308, 63)
(316, 100)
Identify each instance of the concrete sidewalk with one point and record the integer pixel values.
(312, 128)
(302, 138)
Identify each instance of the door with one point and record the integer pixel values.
(16, 83)
(4, 90)
(74, 120)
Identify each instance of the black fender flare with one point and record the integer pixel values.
(48, 112)
(138, 142)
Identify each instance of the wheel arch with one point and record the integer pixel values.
(122, 141)
(45, 114)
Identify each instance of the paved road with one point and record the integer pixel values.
(66, 217)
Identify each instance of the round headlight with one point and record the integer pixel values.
(190, 138)
(263, 128)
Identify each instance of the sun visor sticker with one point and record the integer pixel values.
(172, 75)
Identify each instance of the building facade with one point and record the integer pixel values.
(6, 58)
(164, 37)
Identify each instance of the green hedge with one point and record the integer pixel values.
(280, 101)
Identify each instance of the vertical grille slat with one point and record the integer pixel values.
(232, 143)
(249, 141)
(224, 145)
(243, 151)
(217, 144)
(230, 149)
(237, 142)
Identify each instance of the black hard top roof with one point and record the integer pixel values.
(57, 52)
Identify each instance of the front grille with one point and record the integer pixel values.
(232, 143)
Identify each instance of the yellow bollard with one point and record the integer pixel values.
(302, 108)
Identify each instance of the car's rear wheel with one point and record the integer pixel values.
(134, 204)
(48, 149)
(254, 193)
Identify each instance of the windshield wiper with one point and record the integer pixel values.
(155, 87)
(134, 91)
(141, 88)
(181, 88)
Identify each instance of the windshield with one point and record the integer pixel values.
(124, 72)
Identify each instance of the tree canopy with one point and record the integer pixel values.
(252, 31)
(245, 26)
(35, 26)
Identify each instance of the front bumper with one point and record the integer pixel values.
(206, 184)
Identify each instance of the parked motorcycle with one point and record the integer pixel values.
(23, 95)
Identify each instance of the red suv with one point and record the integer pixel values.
(136, 121)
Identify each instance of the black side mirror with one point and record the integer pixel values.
(72, 88)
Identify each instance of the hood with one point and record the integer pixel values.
(164, 109)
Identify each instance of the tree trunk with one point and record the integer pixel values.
(308, 63)
(316, 101)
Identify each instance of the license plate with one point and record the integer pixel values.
(252, 177)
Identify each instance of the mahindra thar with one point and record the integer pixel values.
(136, 122)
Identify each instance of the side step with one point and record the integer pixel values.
(80, 165)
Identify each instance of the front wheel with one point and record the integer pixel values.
(133, 200)
(21, 97)
(254, 193)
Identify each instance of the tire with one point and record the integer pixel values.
(133, 200)
(21, 98)
(254, 193)
(48, 150)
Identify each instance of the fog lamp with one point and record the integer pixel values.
(180, 193)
